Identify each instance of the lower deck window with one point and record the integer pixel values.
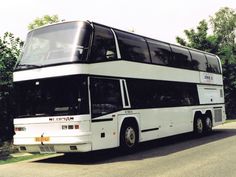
(159, 94)
(53, 96)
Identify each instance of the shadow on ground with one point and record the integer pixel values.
(157, 148)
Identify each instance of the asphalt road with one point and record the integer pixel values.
(178, 156)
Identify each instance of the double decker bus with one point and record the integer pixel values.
(82, 86)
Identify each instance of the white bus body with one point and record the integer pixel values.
(116, 101)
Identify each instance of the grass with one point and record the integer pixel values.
(13, 159)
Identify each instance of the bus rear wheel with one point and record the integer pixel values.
(128, 137)
(198, 126)
(207, 125)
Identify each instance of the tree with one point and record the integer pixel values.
(9, 52)
(221, 42)
(199, 39)
(224, 25)
(46, 19)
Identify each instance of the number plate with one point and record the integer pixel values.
(42, 139)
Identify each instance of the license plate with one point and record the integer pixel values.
(42, 139)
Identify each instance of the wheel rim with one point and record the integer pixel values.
(130, 137)
(199, 125)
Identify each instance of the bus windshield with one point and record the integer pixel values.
(51, 97)
(59, 43)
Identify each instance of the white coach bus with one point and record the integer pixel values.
(82, 86)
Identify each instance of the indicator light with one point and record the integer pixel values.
(64, 127)
(77, 126)
(70, 127)
(20, 129)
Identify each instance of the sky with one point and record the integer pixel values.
(159, 19)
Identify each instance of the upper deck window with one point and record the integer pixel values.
(180, 58)
(199, 61)
(60, 43)
(132, 47)
(213, 64)
(160, 52)
(103, 48)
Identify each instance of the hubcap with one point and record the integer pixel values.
(130, 136)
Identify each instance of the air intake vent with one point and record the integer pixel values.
(47, 149)
(218, 115)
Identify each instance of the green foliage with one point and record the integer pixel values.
(224, 25)
(9, 52)
(221, 42)
(199, 39)
(46, 19)
(13, 159)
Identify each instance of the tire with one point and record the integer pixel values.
(129, 137)
(198, 126)
(207, 125)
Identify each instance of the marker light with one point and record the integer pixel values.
(70, 127)
(20, 129)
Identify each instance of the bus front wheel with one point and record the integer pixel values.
(128, 137)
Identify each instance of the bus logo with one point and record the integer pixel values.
(61, 119)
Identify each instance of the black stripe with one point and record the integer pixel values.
(210, 104)
(217, 107)
(210, 88)
(151, 129)
(102, 120)
(196, 105)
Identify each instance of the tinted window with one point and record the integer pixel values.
(158, 94)
(213, 64)
(55, 44)
(51, 97)
(105, 96)
(133, 47)
(103, 48)
(180, 58)
(199, 61)
(160, 52)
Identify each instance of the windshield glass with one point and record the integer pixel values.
(60, 43)
(51, 97)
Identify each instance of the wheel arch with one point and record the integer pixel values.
(208, 113)
(129, 119)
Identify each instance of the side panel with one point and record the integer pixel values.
(210, 94)
(104, 132)
(157, 123)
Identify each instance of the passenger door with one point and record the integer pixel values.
(106, 102)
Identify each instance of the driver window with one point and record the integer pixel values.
(103, 48)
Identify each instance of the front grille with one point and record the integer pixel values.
(218, 115)
(47, 149)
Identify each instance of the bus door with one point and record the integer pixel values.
(106, 102)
